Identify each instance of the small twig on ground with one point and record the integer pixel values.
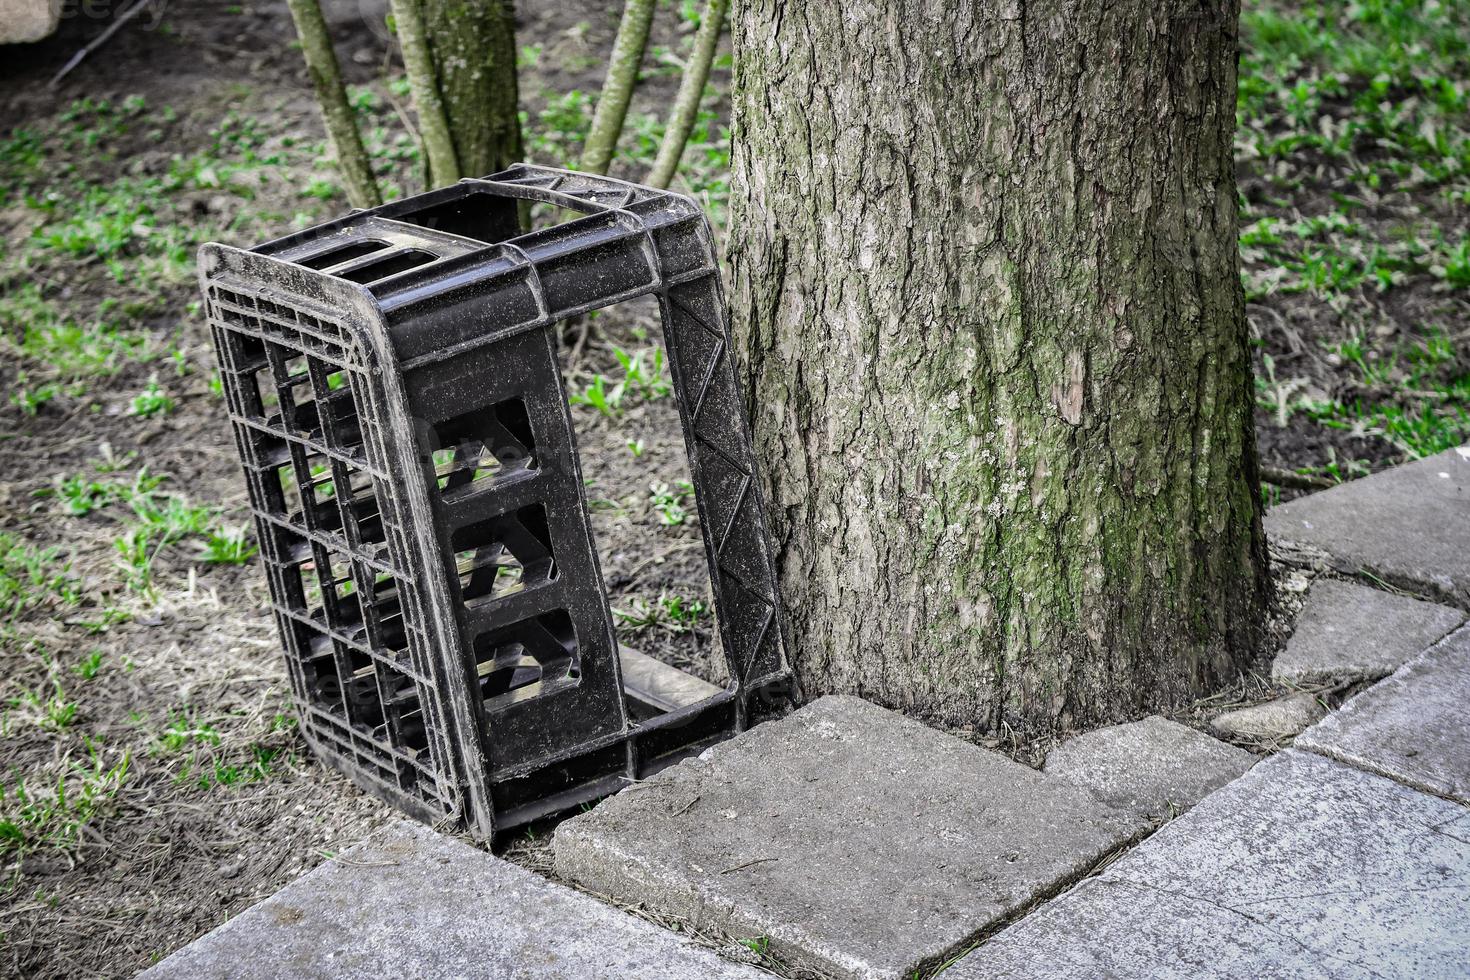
(98, 41)
(663, 556)
(1282, 477)
(574, 361)
(741, 867)
(339, 859)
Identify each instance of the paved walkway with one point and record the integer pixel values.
(1305, 867)
(410, 903)
(858, 843)
(850, 841)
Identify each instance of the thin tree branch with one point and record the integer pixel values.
(1278, 476)
(97, 42)
(617, 88)
(423, 85)
(691, 89)
(331, 97)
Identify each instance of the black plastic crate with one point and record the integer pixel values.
(408, 444)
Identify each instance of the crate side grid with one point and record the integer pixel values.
(322, 540)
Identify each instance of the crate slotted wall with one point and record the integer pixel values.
(408, 445)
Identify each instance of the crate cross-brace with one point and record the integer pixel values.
(405, 433)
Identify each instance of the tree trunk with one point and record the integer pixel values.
(986, 290)
(617, 87)
(691, 90)
(440, 165)
(331, 97)
(474, 50)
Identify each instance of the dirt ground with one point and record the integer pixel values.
(154, 784)
(202, 798)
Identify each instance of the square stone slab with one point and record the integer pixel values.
(410, 903)
(1413, 727)
(856, 841)
(1349, 632)
(1154, 768)
(1271, 721)
(1302, 868)
(1409, 525)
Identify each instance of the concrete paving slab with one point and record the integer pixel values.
(408, 902)
(856, 841)
(1413, 727)
(1302, 868)
(1350, 632)
(1153, 768)
(1272, 720)
(1409, 525)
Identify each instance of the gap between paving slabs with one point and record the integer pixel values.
(1411, 727)
(851, 840)
(1348, 632)
(1408, 526)
(1303, 868)
(1346, 636)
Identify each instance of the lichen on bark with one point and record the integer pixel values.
(474, 51)
(986, 297)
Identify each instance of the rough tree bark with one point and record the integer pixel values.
(474, 49)
(986, 292)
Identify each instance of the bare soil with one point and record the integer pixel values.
(177, 852)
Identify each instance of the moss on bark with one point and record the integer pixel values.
(986, 290)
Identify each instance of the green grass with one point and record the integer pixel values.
(759, 945)
(1427, 408)
(1390, 71)
(670, 504)
(672, 612)
(34, 327)
(32, 577)
(31, 399)
(152, 401)
(47, 707)
(52, 813)
(152, 520)
(201, 755)
(1354, 138)
(229, 546)
(122, 235)
(642, 376)
(90, 665)
(105, 203)
(160, 520)
(600, 395)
